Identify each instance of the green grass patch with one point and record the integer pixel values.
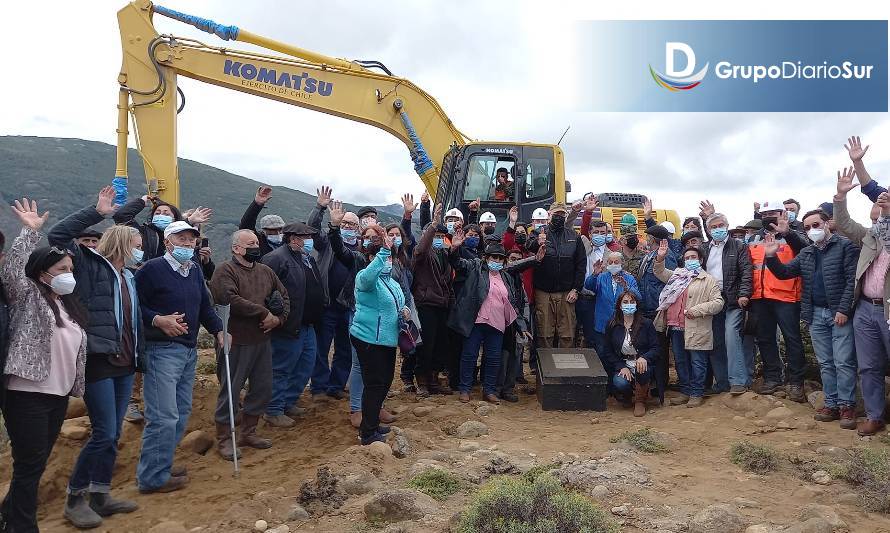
(436, 483)
(538, 470)
(643, 439)
(869, 471)
(754, 457)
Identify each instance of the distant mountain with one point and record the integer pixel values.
(65, 175)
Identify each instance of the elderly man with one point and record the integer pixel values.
(89, 238)
(558, 279)
(269, 236)
(729, 262)
(175, 303)
(259, 304)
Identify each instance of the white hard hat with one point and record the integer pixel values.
(454, 212)
(668, 225)
(487, 216)
(771, 205)
(540, 214)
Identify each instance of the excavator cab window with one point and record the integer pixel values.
(482, 176)
(539, 173)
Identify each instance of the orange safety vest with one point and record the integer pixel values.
(766, 285)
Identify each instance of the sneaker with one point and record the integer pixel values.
(383, 429)
(279, 421)
(737, 390)
(848, 417)
(375, 437)
(296, 412)
(173, 484)
(827, 414)
(134, 415)
(679, 400)
(767, 388)
(695, 401)
(796, 393)
(78, 512)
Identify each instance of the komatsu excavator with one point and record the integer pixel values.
(454, 169)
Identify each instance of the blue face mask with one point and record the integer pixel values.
(495, 266)
(450, 226)
(183, 254)
(349, 235)
(692, 264)
(308, 246)
(438, 243)
(628, 309)
(792, 216)
(598, 240)
(539, 227)
(471, 242)
(366, 242)
(610, 237)
(719, 234)
(397, 241)
(161, 221)
(138, 255)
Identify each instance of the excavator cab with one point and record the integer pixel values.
(536, 178)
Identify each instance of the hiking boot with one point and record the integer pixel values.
(179, 471)
(386, 417)
(491, 398)
(695, 401)
(134, 415)
(848, 417)
(679, 400)
(279, 421)
(105, 505)
(295, 412)
(173, 484)
(247, 434)
(464, 397)
(509, 396)
(827, 414)
(374, 437)
(737, 390)
(870, 427)
(796, 393)
(78, 512)
(224, 444)
(355, 418)
(641, 394)
(767, 388)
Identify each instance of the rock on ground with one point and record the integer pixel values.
(749, 402)
(76, 408)
(813, 525)
(197, 442)
(814, 510)
(471, 429)
(399, 504)
(720, 518)
(816, 399)
(821, 477)
(400, 446)
(423, 410)
(779, 413)
(616, 466)
(297, 514)
(357, 484)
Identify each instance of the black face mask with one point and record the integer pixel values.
(767, 221)
(632, 242)
(488, 231)
(558, 221)
(520, 238)
(252, 255)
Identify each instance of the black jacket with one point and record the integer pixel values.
(97, 286)
(737, 271)
(645, 342)
(152, 237)
(474, 291)
(248, 221)
(563, 267)
(288, 266)
(839, 259)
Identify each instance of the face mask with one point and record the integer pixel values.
(792, 216)
(488, 230)
(610, 237)
(719, 234)
(558, 221)
(397, 241)
(252, 255)
(138, 255)
(161, 221)
(692, 264)
(183, 254)
(471, 242)
(349, 235)
(598, 240)
(816, 235)
(63, 284)
(632, 242)
(366, 243)
(539, 226)
(769, 222)
(495, 266)
(275, 239)
(450, 227)
(747, 238)
(387, 268)
(613, 268)
(308, 246)
(520, 238)
(628, 309)
(438, 243)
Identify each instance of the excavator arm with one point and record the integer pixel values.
(152, 62)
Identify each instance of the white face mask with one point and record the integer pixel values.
(816, 235)
(63, 284)
(613, 268)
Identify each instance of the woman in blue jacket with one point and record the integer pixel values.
(379, 310)
(630, 352)
(607, 287)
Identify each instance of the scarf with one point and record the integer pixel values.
(680, 280)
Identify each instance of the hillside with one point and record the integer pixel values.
(63, 175)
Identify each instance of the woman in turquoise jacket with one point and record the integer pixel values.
(379, 310)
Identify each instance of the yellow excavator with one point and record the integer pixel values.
(454, 169)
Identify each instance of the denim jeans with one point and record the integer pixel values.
(836, 354)
(356, 385)
(490, 340)
(292, 364)
(106, 401)
(719, 354)
(623, 389)
(167, 393)
(739, 349)
(691, 366)
(872, 352)
(334, 328)
(785, 315)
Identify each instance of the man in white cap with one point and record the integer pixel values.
(175, 303)
(269, 234)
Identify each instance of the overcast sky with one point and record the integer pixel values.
(495, 67)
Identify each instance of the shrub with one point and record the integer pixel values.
(869, 471)
(536, 471)
(644, 440)
(514, 505)
(436, 483)
(754, 457)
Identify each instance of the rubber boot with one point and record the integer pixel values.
(247, 434)
(641, 394)
(105, 505)
(78, 512)
(224, 443)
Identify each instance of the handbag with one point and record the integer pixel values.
(408, 335)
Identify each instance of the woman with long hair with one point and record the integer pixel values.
(46, 360)
(401, 272)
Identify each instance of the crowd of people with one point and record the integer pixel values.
(333, 305)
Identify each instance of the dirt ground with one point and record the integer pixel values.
(696, 473)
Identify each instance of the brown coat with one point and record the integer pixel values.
(246, 290)
(432, 273)
(703, 299)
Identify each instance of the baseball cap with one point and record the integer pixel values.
(178, 227)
